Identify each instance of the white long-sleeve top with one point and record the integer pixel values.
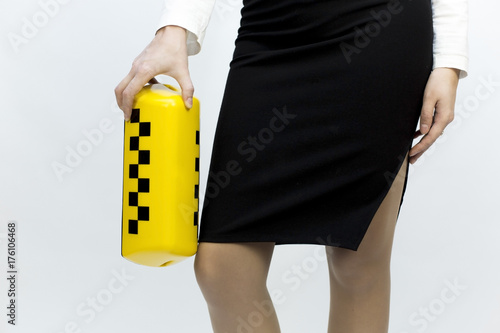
(450, 22)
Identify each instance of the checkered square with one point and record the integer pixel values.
(143, 184)
(143, 158)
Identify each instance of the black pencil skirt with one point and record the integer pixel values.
(319, 110)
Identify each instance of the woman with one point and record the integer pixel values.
(313, 140)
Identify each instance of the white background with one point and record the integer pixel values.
(59, 84)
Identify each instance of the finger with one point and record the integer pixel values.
(420, 148)
(442, 117)
(136, 84)
(426, 114)
(417, 134)
(415, 150)
(187, 88)
(436, 130)
(121, 87)
(414, 158)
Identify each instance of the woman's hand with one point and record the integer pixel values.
(439, 95)
(166, 54)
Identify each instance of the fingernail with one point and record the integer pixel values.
(189, 103)
(423, 127)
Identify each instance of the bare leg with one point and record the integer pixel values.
(232, 278)
(360, 280)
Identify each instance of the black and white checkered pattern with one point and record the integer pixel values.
(144, 183)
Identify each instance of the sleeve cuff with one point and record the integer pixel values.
(452, 61)
(191, 15)
(194, 37)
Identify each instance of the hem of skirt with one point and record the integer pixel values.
(278, 241)
(382, 196)
(351, 244)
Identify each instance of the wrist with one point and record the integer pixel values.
(455, 71)
(171, 30)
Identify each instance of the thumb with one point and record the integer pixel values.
(187, 89)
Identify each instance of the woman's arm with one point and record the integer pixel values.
(451, 61)
(450, 21)
(181, 32)
(192, 15)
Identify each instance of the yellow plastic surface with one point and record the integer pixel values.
(160, 178)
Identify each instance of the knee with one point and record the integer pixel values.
(358, 271)
(229, 272)
(217, 278)
(209, 275)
